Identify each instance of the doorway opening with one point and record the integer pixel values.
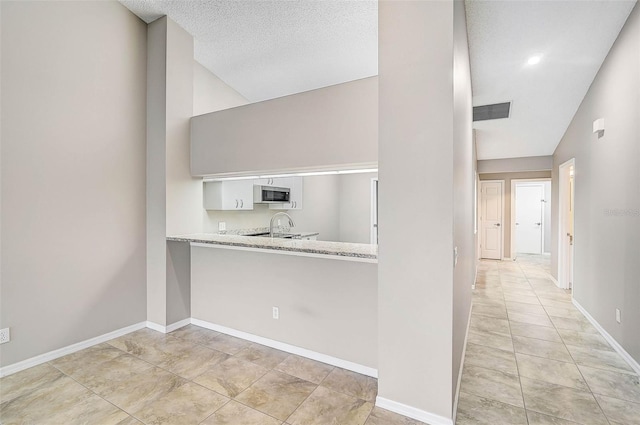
(566, 224)
(530, 217)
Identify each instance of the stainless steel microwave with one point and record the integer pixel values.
(270, 194)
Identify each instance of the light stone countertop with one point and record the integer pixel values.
(340, 249)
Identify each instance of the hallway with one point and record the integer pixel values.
(533, 358)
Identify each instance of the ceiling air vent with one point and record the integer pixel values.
(491, 112)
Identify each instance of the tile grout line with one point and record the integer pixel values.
(93, 392)
(524, 403)
(570, 355)
(574, 362)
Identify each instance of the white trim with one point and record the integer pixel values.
(52, 355)
(373, 237)
(475, 278)
(554, 279)
(562, 196)
(303, 352)
(616, 346)
(169, 328)
(464, 352)
(284, 252)
(515, 182)
(156, 327)
(508, 259)
(177, 325)
(412, 412)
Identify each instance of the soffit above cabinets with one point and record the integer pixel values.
(269, 49)
(571, 40)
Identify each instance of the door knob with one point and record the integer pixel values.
(538, 224)
(498, 224)
(517, 224)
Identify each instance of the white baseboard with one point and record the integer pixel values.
(169, 328)
(507, 259)
(464, 352)
(52, 355)
(412, 412)
(303, 352)
(616, 346)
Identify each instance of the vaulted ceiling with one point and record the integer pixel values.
(268, 49)
(571, 40)
(272, 48)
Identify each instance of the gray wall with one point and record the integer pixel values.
(415, 274)
(511, 165)
(73, 173)
(464, 166)
(330, 127)
(328, 306)
(607, 172)
(174, 198)
(507, 177)
(211, 94)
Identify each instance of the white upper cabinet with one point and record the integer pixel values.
(228, 195)
(295, 196)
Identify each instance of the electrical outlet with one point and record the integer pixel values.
(5, 335)
(222, 226)
(618, 315)
(276, 313)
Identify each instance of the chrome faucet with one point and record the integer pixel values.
(291, 223)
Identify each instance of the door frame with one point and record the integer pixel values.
(514, 182)
(374, 226)
(481, 238)
(563, 184)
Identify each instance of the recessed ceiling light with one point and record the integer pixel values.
(534, 60)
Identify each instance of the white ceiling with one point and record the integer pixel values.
(268, 49)
(573, 38)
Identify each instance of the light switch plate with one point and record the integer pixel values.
(222, 226)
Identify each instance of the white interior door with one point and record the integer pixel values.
(491, 219)
(566, 224)
(569, 245)
(529, 218)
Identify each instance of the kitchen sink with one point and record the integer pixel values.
(277, 235)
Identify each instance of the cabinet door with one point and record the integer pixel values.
(270, 181)
(238, 195)
(295, 196)
(297, 184)
(229, 195)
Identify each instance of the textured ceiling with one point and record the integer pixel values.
(267, 49)
(573, 38)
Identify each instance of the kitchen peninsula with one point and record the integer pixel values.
(317, 299)
(342, 250)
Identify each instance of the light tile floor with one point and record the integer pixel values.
(190, 376)
(532, 357)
